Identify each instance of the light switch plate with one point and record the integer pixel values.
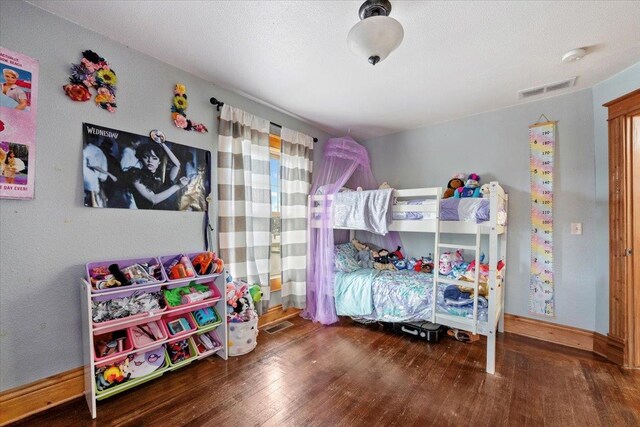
(576, 228)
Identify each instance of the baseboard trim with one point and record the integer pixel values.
(600, 345)
(615, 349)
(551, 332)
(26, 400)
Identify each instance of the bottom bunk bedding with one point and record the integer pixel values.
(397, 296)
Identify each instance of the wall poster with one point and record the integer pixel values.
(541, 286)
(18, 102)
(129, 171)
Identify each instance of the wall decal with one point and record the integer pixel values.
(93, 71)
(541, 286)
(179, 111)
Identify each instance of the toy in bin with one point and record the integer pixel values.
(178, 325)
(207, 342)
(178, 351)
(205, 315)
(180, 268)
(187, 294)
(207, 263)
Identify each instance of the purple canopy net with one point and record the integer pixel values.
(345, 164)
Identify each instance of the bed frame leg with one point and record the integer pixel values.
(501, 322)
(491, 352)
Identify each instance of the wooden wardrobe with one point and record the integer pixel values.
(623, 340)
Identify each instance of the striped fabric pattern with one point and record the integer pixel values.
(244, 196)
(296, 166)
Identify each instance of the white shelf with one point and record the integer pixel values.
(90, 329)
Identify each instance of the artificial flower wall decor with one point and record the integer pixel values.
(179, 111)
(93, 71)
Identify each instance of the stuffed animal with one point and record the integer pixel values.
(471, 187)
(380, 266)
(454, 183)
(365, 258)
(384, 186)
(255, 292)
(400, 264)
(427, 264)
(381, 260)
(381, 256)
(396, 255)
(445, 264)
(485, 191)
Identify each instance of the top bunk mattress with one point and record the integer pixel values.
(452, 209)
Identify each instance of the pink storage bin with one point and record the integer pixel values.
(168, 260)
(124, 322)
(142, 340)
(183, 333)
(195, 305)
(127, 344)
(159, 275)
(212, 271)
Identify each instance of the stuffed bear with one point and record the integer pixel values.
(384, 186)
(471, 187)
(365, 259)
(454, 183)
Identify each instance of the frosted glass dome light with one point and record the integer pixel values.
(377, 34)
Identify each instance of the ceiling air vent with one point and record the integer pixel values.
(550, 87)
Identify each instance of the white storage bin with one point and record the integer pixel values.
(242, 337)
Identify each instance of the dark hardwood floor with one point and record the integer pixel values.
(353, 375)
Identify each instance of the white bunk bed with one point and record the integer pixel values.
(495, 229)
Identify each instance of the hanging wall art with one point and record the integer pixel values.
(93, 71)
(18, 104)
(179, 111)
(130, 171)
(541, 286)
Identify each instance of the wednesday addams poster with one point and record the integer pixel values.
(129, 171)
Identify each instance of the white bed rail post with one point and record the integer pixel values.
(503, 255)
(436, 258)
(495, 303)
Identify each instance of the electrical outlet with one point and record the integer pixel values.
(576, 228)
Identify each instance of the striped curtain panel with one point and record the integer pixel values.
(296, 166)
(244, 197)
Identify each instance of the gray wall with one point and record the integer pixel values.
(495, 145)
(608, 90)
(45, 242)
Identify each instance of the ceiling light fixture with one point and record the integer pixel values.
(377, 34)
(574, 55)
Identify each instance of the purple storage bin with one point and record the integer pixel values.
(192, 255)
(93, 267)
(168, 261)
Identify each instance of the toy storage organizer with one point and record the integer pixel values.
(153, 342)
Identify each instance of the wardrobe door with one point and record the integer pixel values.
(618, 259)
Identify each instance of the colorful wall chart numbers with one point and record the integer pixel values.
(541, 144)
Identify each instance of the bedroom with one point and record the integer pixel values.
(477, 125)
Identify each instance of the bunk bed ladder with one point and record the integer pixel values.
(437, 280)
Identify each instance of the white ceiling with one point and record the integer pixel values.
(457, 58)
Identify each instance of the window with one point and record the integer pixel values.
(274, 171)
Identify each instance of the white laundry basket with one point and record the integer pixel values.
(243, 337)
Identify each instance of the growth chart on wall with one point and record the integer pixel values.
(541, 145)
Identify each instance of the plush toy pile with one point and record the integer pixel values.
(241, 298)
(458, 188)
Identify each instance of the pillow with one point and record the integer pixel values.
(346, 258)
